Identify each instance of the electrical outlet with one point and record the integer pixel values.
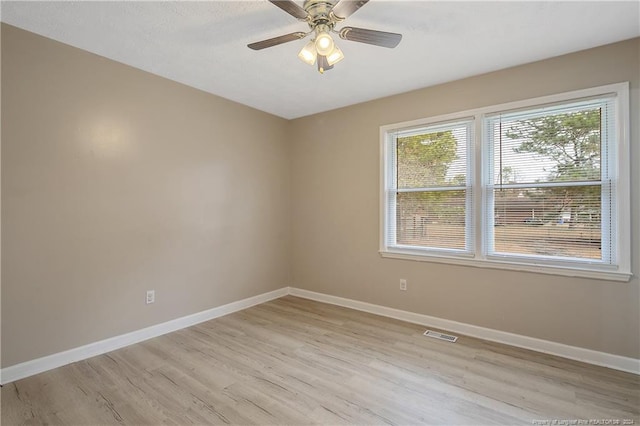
(403, 284)
(151, 296)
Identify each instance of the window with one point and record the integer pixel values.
(430, 193)
(547, 182)
(540, 185)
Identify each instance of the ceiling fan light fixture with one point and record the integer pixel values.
(335, 56)
(308, 53)
(324, 44)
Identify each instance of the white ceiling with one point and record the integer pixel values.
(203, 44)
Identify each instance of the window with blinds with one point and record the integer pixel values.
(549, 193)
(429, 190)
(538, 185)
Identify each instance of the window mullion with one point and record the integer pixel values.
(477, 170)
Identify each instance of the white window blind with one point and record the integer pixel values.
(429, 188)
(549, 190)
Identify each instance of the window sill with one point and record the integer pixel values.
(512, 266)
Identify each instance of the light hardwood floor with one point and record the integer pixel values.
(295, 361)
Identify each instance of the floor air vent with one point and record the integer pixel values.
(441, 336)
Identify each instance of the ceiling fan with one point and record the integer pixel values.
(322, 17)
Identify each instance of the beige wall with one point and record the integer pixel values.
(115, 181)
(335, 193)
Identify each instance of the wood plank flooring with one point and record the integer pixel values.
(295, 361)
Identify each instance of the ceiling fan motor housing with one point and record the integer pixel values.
(319, 13)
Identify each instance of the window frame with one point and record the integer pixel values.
(468, 123)
(477, 176)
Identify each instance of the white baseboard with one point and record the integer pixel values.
(39, 365)
(604, 359)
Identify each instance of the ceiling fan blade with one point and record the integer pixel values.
(291, 8)
(346, 8)
(377, 38)
(259, 45)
